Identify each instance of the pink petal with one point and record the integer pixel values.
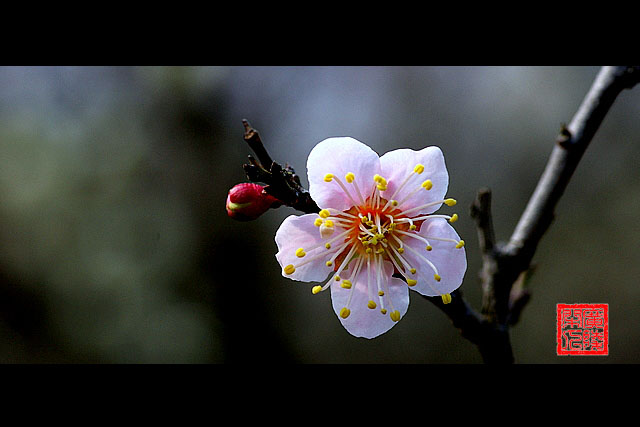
(339, 156)
(299, 232)
(396, 166)
(450, 262)
(363, 321)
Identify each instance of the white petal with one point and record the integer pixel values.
(299, 232)
(398, 164)
(450, 262)
(363, 321)
(339, 156)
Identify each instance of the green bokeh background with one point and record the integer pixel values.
(115, 246)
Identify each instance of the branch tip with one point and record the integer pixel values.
(281, 183)
(248, 130)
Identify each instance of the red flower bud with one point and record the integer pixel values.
(247, 201)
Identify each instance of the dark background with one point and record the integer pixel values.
(115, 246)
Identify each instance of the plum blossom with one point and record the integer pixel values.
(376, 235)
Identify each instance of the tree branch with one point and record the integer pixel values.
(493, 342)
(281, 183)
(507, 267)
(571, 145)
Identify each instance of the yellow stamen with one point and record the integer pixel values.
(350, 177)
(289, 269)
(328, 177)
(346, 284)
(427, 185)
(316, 289)
(411, 282)
(394, 203)
(418, 169)
(345, 312)
(328, 246)
(437, 277)
(412, 227)
(450, 202)
(380, 293)
(383, 311)
(400, 250)
(413, 271)
(446, 298)
(328, 223)
(329, 263)
(324, 213)
(300, 253)
(371, 305)
(382, 183)
(395, 315)
(429, 247)
(454, 218)
(318, 222)
(460, 244)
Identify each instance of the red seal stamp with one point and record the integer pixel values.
(582, 329)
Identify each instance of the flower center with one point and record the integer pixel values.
(375, 228)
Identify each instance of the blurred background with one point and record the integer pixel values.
(115, 246)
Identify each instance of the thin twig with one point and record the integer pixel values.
(252, 137)
(572, 143)
(281, 183)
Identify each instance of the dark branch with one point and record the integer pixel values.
(572, 143)
(281, 183)
(252, 137)
(493, 343)
(507, 268)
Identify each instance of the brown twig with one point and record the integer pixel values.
(281, 183)
(252, 137)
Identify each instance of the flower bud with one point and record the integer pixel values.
(247, 201)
